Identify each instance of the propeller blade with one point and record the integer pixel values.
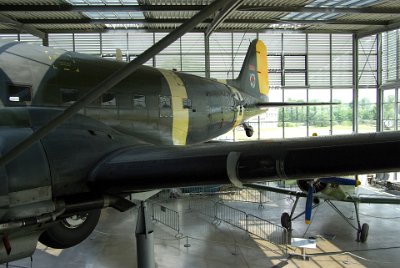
(309, 203)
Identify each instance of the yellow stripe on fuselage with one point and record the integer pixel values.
(180, 116)
(262, 67)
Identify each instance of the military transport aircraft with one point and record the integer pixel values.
(147, 132)
(327, 189)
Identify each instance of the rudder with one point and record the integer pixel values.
(253, 77)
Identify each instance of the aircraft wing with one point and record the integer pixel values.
(145, 167)
(375, 199)
(274, 189)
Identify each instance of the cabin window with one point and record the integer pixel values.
(139, 102)
(165, 106)
(187, 103)
(19, 93)
(165, 102)
(108, 100)
(69, 95)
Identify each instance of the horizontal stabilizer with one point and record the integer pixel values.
(291, 104)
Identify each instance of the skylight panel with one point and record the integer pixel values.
(328, 3)
(109, 14)
(103, 2)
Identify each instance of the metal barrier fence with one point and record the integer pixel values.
(203, 206)
(231, 215)
(238, 194)
(267, 230)
(249, 195)
(259, 227)
(166, 216)
(198, 190)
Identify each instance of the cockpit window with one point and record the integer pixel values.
(19, 93)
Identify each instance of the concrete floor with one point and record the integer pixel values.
(112, 244)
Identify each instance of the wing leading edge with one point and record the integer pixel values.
(148, 167)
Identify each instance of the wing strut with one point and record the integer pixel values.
(114, 79)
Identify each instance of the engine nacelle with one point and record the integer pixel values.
(25, 188)
(25, 182)
(304, 185)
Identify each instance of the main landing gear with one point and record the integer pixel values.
(362, 230)
(249, 129)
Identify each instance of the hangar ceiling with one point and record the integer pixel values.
(362, 17)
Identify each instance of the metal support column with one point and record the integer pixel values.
(307, 89)
(45, 40)
(207, 54)
(330, 85)
(379, 90)
(355, 84)
(144, 239)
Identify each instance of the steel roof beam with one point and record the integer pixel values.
(245, 21)
(223, 14)
(392, 25)
(21, 27)
(144, 8)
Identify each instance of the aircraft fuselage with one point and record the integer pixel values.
(159, 106)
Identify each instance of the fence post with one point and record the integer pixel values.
(187, 242)
(178, 224)
(247, 224)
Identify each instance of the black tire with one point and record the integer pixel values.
(286, 222)
(364, 233)
(249, 132)
(64, 235)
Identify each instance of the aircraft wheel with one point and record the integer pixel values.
(286, 222)
(249, 131)
(364, 232)
(70, 231)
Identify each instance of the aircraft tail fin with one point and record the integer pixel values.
(253, 77)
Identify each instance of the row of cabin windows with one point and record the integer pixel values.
(22, 93)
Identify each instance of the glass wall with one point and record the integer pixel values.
(302, 68)
(368, 84)
(390, 71)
